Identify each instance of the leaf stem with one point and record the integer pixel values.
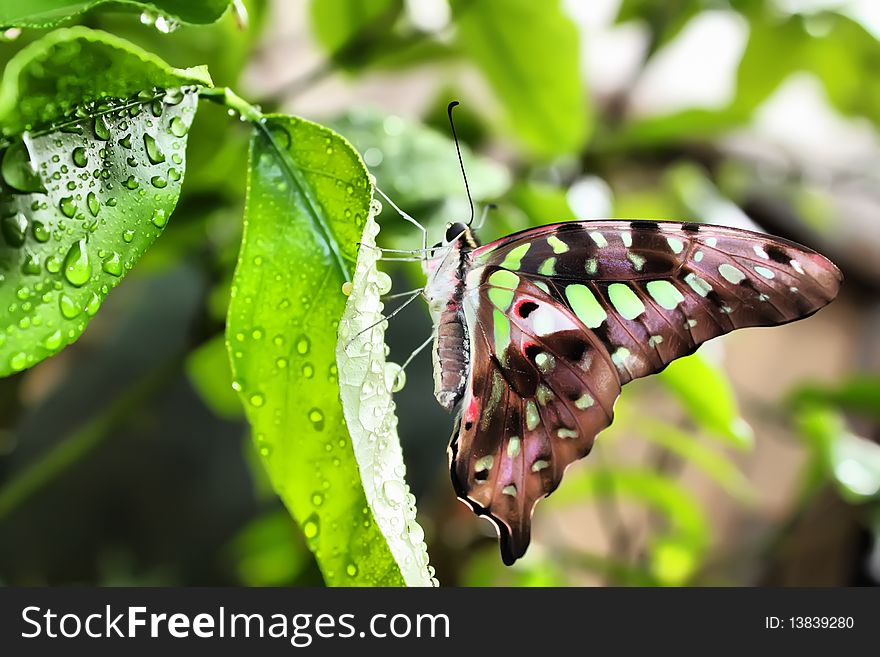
(226, 96)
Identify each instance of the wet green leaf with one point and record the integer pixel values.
(85, 191)
(528, 52)
(416, 165)
(308, 200)
(366, 384)
(48, 13)
(707, 395)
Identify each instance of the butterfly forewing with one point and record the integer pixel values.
(560, 317)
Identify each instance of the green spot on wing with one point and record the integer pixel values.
(585, 305)
(625, 301)
(513, 260)
(665, 294)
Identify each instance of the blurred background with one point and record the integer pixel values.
(126, 459)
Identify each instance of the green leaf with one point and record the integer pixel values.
(54, 77)
(717, 467)
(80, 202)
(851, 461)
(859, 394)
(706, 394)
(677, 552)
(48, 13)
(208, 370)
(528, 52)
(346, 28)
(308, 200)
(416, 165)
(366, 383)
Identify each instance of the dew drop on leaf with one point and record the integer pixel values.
(257, 400)
(102, 130)
(18, 362)
(77, 267)
(160, 218)
(41, 233)
(17, 170)
(113, 264)
(69, 308)
(178, 127)
(159, 182)
(128, 235)
(94, 305)
(317, 499)
(308, 371)
(154, 153)
(281, 363)
(303, 344)
(312, 526)
(80, 157)
(351, 569)
(316, 417)
(93, 204)
(53, 340)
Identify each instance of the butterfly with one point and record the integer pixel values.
(535, 334)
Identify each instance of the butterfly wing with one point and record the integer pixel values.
(561, 316)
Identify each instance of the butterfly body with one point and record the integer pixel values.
(536, 333)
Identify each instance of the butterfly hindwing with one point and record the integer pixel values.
(560, 317)
(547, 388)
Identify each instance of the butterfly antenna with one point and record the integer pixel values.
(460, 160)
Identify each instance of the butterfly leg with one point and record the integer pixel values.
(413, 296)
(407, 218)
(417, 351)
(402, 294)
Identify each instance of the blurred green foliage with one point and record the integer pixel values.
(537, 135)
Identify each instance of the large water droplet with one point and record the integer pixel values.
(113, 264)
(93, 305)
(31, 264)
(159, 182)
(67, 205)
(316, 417)
(69, 307)
(14, 229)
(77, 268)
(102, 128)
(93, 204)
(53, 340)
(154, 153)
(41, 232)
(312, 526)
(160, 218)
(351, 569)
(18, 362)
(303, 344)
(178, 127)
(394, 491)
(131, 182)
(128, 235)
(80, 157)
(18, 170)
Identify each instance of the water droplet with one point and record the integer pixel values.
(173, 96)
(113, 264)
(178, 127)
(316, 417)
(160, 218)
(93, 305)
(53, 264)
(14, 229)
(77, 268)
(125, 142)
(102, 129)
(131, 182)
(80, 157)
(351, 570)
(93, 204)
(394, 491)
(31, 264)
(128, 235)
(53, 340)
(69, 307)
(41, 233)
(303, 344)
(312, 526)
(281, 136)
(18, 362)
(18, 170)
(333, 373)
(154, 153)
(395, 377)
(308, 371)
(317, 499)
(347, 288)
(159, 182)
(257, 400)
(281, 363)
